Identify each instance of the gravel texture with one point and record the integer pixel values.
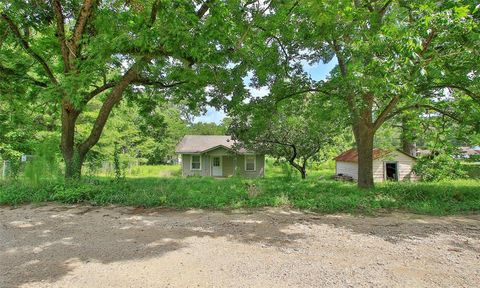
(83, 246)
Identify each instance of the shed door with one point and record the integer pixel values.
(217, 166)
(391, 171)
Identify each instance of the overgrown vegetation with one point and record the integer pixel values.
(281, 187)
(440, 167)
(441, 198)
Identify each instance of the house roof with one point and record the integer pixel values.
(469, 151)
(352, 155)
(205, 143)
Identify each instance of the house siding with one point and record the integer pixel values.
(260, 166)
(186, 166)
(347, 168)
(405, 166)
(230, 164)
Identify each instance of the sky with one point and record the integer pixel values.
(317, 71)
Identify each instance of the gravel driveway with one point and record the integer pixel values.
(83, 246)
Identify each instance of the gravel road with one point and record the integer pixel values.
(83, 246)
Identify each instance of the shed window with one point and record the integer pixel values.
(196, 162)
(250, 164)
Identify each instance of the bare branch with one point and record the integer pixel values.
(28, 49)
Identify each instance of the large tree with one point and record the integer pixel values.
(294, 129)
(72, 51)
(385, 52)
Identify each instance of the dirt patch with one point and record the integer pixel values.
(83, 246)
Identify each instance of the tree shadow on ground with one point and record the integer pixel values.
(45, 243)
(395, 227)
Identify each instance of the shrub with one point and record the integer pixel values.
(439, 167)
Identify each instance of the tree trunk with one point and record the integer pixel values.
(67, 144)
(408, 136)
(409, 147)
(303, 173)
(364, 134)
(74, 154)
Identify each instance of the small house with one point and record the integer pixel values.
(218, 156)
(387, 165)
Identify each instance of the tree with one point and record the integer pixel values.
(294, 129)
(206, 128)
(385, 50)
(71, 52)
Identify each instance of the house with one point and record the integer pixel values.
(387, 165)
(467, 152)
(218, 156)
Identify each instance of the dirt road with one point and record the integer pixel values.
(82, 246)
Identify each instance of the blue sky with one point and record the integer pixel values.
(317, 71)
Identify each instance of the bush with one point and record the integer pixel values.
(439, 167)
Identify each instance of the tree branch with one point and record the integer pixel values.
(154, 11)
(28, 49)
(384, 114)
(383, 10)
(8, 72)
(145, 81)
(98, 90)
(426, 106)
(204, 8)
(426, 43)
(113, 98)
(467, 91)
(80, 25)
(3, 37)
(57, 10)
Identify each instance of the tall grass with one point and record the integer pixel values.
(441, 198)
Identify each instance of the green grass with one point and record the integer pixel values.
(327, 196)
(472, 169)
(145, 171)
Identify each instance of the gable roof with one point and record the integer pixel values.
(352, 155)
(205, 143)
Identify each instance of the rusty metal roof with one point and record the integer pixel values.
(352, 155)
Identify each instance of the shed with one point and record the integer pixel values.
(393, 165)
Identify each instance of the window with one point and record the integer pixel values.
(196, 163)
(250, 164)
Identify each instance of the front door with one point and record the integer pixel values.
(217, 166)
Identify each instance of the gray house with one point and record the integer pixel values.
(217, 156)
